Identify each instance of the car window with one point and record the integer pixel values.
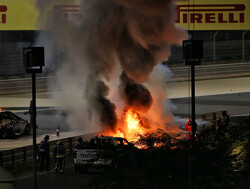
(121, 141)
(12, 116)
(125, 142)
(118, 141)
(107, 143)
(95, 143)
(5, 116)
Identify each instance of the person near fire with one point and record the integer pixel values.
(59, 155)
(30, 112)
(223, 122)
(44, 153)
(80, 144)
(188, 128)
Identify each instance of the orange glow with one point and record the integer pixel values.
(133, 124)
(119, 133)
(133, 121)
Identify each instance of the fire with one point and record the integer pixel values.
(133, 121)
(135, 128)
(119, 133)
(133, 124)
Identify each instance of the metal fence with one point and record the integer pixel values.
(24, 156)
(220, 47)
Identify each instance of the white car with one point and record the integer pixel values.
(12, 125)
(101, 151)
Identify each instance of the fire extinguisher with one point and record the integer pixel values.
(57, 130)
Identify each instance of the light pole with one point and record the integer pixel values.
(192, 54)
(33, 58)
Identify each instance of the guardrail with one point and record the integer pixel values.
(210, 116)
(24, 156)
(203, 72)
(24, 85)
(207, 72)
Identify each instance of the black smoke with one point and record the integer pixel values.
(105, 109)
(135, 95)
(109, 37)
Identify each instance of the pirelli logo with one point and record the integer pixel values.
(67, 9)
(216, 13)
(3, 10)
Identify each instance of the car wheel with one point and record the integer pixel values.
(4, 136)
(27, 129)
(9, 133)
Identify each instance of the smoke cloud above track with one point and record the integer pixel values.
(106, 53)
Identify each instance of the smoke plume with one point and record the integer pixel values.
(105, 39)
(134, 95)
(97, 92)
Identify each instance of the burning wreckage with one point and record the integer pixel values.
(105, 151)
(101, 151)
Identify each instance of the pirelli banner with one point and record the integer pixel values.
(191, 14)
(24, 15)
(213, 14)
(18, 14)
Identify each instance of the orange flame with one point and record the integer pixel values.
(133, 124)
(133, 121)
(119, 133)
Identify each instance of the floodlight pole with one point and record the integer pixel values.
(34, 60)
(193, 100)
(192, 53)
(34, 127)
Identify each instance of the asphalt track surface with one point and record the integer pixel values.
(68, 180)
(236, 103)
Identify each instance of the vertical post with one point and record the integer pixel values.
(13, 158)
(214, 48)
(33, 58)
(70, 145)
(1, 159)
(193, 100)
(24, 156)
(243, 45)
(34, 127)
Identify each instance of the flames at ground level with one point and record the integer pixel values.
(134, 125)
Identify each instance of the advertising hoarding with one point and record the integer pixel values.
(191, 14)
(213, 14)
